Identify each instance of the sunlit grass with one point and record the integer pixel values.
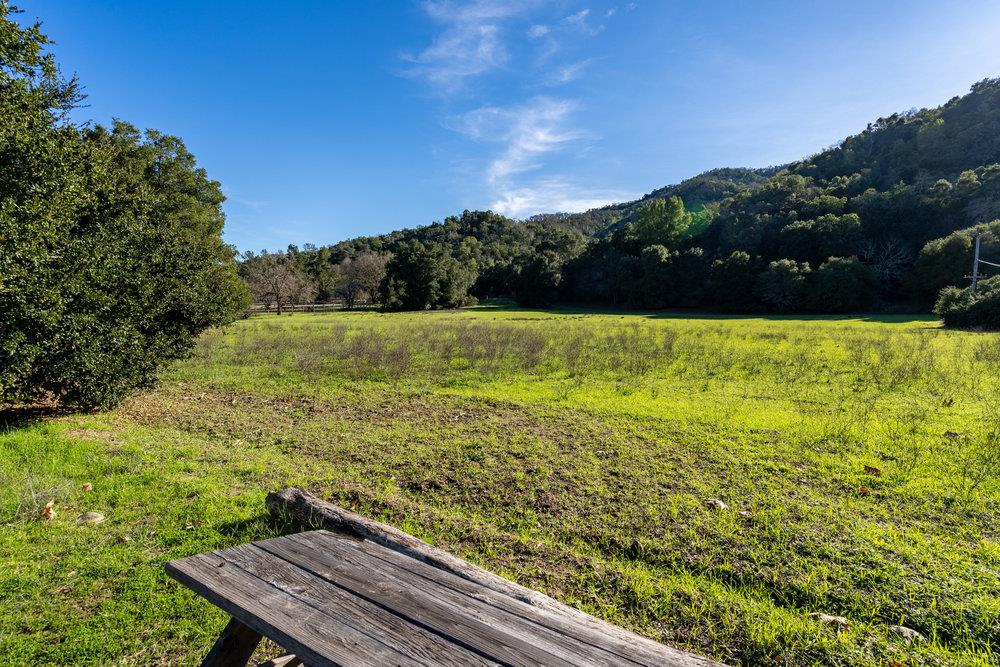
(571, 450)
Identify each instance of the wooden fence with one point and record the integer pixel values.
(262, 308)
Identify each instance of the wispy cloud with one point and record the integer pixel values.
(554, 195)
(580, 18)
(538, 30)
(471, 43)
(480, 37)
(528, 133)
(567, 73)
(579, 21)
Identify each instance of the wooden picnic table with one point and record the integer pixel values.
(338, 599)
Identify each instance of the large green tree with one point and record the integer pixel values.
(661, 222)
(425, 275)
(111, 257)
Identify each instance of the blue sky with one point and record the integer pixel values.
(328, 120)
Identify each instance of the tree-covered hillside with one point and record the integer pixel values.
(704, 191)
(860, 226)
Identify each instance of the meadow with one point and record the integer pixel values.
(577, 452)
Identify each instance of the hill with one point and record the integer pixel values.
(698, 192)
(846, 229)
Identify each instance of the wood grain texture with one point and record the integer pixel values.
(502, 609)
(463, 620)
(307, 509)
(289, 660)
(315, 637)
(333, 599)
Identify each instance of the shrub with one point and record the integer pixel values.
(946, 261)
(958, 308)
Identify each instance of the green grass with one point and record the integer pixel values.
(573, 451)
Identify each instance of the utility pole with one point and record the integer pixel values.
(975, 265)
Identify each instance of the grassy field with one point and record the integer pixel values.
(572, 451)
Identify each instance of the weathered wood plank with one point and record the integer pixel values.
(505, 636)
(362, 615)
(454, 623)
(234, 647)
(318, 639)
(551, 619)
(282, 661)
(309, 510)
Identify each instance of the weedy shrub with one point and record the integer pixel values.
(987, 352)
(572, 351)
(632, 352)
(32, 497)
(973, 461)
(309, 361)
(904, 440)
(367, 353)
(398, 360)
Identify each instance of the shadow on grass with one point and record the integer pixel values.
(13, 417)
(504, 305)
(260, 527)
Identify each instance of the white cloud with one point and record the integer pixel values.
(580, 18)
(578, 21)
(476, 38)
(567, 73)
(553, 195)
(528, 132)
(470, 44)
(538, 30)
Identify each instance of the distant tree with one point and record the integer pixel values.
(670, 278)
(782, 286)
(732, 282)
(653, 288)
(316, 263)
(690, 278)
(425, 275)
(842, 285)
(274, 278)
(827, 236)
(603, 273)
(890, 260)
(360, 277)
(539, 279)
(661, 222)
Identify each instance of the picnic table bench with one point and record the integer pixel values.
(368, 594)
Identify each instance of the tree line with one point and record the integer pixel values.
(881, 222)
